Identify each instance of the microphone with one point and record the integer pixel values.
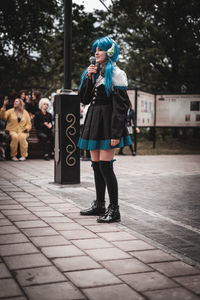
(92, 60)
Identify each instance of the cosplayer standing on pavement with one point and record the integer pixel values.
(18, 124)
(105, 124)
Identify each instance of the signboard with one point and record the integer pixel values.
(131, 94)
(145, 109)
(178, 110)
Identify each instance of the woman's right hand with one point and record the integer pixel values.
(5, 102)
(92, 69)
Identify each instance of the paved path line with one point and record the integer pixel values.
(149, 212)
(154, 214)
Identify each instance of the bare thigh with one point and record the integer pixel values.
(95, 155)
(105, 155)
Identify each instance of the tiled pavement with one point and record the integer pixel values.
(48, 251)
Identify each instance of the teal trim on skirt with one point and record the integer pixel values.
(103, 144)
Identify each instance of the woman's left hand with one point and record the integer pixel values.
(137, 130)
(114, 142)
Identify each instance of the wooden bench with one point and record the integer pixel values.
(35, 148)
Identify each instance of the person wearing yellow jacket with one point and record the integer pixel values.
(18, 124)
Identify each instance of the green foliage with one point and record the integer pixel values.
(160, 41)
(25, 27)
(31, 48)
(25, 24)
(83, 35)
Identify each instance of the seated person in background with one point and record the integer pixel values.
(18, 125)
(33, 104)
(25, 98)
(22, 95)
(11, 98)
(43, 125)
(4, 140)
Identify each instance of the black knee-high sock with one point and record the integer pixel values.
(100, 184)
(111, 181)
(131, 148)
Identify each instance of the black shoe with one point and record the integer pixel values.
(46, 157)
(133, 153)
(94, 210)
(112, 214)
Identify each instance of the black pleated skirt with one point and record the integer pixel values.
(96, 133)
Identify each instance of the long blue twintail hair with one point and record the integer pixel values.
(106, 43)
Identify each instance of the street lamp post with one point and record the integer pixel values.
(67, 115)
(67, 43)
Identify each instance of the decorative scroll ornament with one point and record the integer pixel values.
(57, 143)
(71, 148)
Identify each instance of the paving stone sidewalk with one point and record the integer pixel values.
(48, 251)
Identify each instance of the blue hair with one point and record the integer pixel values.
(105, 43)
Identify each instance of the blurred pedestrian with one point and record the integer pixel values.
(85, 154)
(131, 124)
(104, 85)
(51, 104)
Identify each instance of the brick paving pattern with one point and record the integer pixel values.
(48, 251)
